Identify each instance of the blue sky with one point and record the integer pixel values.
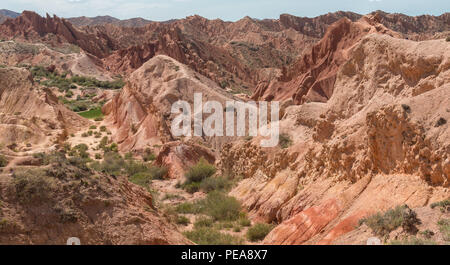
(225, 9)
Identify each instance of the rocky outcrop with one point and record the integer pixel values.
(30, 26)
(29, 115)
(312, 77)
(178, 157)
(141, 114)
(375, 144)
(96, 208)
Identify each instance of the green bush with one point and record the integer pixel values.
(191, 187)
(412, 241)
(215, 183)
(244, 221)
(142, 179)
(217, 205)
(3, 161)
(203, 222)
(182, 220)
(210, 236)
(158, 172)
(444, 227)
(383, 223)
(285, 141)
(32, 186)
(187, 207)
(200, 171)
(221, 207)
(443, 205)
(258, 231)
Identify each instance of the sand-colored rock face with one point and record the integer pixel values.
(30, 115)
(141, 113)
(375, 144)
(31, 26)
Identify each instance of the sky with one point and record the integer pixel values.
(229, 10)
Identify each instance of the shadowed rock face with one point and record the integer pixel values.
(312, 77)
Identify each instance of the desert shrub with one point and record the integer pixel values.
(215, 183)
(217, 205)
(92, 127)
(142, 179)
(440, 122)
(32, 186)
(427, 233)
(444, 227)
(192, 187)
(112, 164)
(285, 141)
(447, 39)
(157, 172)
(383, 223)
(103, 128)
(244, 221)
(221, 207)
(132, 167)
(210, 236)
(237, 229)
(81, 150)
(200, 171)
(203, 222)
(182, 220)
(258, 231)
(149, 156)
(3, 161)
(98, 156)
(412, 241)
(69, 94)
(406, 108)
(188, 207)
(443, 205)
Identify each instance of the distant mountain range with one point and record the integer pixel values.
(5, 14)
(87, 21)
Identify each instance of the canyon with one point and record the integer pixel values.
(364, 110)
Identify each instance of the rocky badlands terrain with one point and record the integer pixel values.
(86, 148)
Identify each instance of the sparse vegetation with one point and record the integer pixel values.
(285, 141)
(182, 220)
(32, 186)
(413, 241)
(217, 205)
(258, 231)
(383, 223)
(440, 122)
(210, 236)
(443, 205)
(215, 184)
(203, 222)
(200, 171)
(406, 108)
(3, 161)
(444, 227)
